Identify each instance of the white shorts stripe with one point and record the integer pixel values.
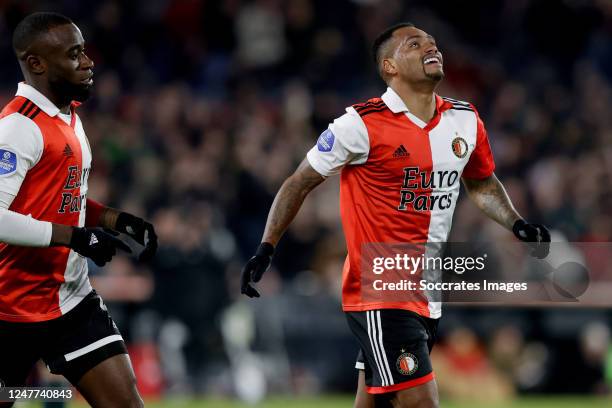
(382, 349)
(375, 335)
(372, 345)
(375, 350)
(93, 346)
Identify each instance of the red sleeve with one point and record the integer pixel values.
(481, 164)
(93, 211)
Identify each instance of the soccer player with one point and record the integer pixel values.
(48, 308)
(400, 157)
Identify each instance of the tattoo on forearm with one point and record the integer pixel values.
(288, 201)
(491, 197)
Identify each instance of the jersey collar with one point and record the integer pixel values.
(40, 100)
(396, 105)
(394, 102)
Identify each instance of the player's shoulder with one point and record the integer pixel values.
(20, 112)
(370, 106)
(22, 106)
(17, 123)
(349, 126)
(459, 105)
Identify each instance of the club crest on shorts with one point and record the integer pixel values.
(459, 146)
(407, 363)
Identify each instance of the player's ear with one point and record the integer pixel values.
(389, 67)
(35, 64)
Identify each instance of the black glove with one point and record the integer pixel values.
(142, 232)
(255, 268)
(96, 244)
(536, 235)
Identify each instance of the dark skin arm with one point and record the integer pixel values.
(61, 234)
(490, 196)
(288, 201)
(286, 204)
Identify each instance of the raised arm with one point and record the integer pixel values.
(286, 204)
(490, 196)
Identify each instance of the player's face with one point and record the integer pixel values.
(69, 69)
(417, 56)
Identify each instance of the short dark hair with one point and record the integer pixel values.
(382, 39)
(34, 25)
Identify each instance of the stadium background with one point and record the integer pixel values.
(202, 108)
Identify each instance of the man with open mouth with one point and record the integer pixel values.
(401, 158)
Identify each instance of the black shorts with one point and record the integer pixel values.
(395, 347)
(70, 345)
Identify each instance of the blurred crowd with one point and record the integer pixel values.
(202, 109)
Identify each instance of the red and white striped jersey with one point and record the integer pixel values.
(49, 160)
(400, 179)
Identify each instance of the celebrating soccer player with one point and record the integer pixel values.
(400, 157)
(48, 226)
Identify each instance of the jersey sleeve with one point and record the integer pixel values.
(93, 212)
(21, 147)
(23, 230)
(481, 164)
(344, 142)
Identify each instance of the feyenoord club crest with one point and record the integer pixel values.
(459, 146)
(407, 363)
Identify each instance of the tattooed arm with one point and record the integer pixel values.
(490, 196)
(344, 142)
(288, 201)
(286, 204)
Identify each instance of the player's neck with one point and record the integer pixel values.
(420, 102)
(44, 88)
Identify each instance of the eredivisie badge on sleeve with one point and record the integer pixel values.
(8, 162)
(326, 141)
(459, 146)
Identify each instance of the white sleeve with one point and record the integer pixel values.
(344, 142)
(21, 147)
(22, 230)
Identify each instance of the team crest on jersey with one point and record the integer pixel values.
(8, 162)
(326, 141)
(407, 363)
(459, 146)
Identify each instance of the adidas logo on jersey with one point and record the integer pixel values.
(401, 152)
(93, 240)
(68, 150)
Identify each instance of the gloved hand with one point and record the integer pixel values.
(536, 235)
(255, 268)
(142, 231)
(96, 244)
